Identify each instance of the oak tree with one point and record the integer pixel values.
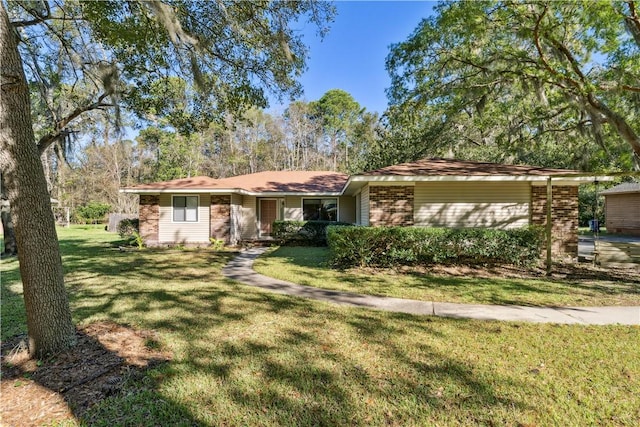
(234, 52)
(544, 81)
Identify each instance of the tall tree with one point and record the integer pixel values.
(521, 78)
(338, 112)
(302, 135)
(234, 52)
(367, 134)
(48, 314)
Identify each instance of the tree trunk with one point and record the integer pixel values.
(626, 132)
(8, 233)
(47, 306)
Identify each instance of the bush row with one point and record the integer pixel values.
(390, 246)
(302, 233)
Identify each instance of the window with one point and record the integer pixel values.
(185, 208)
(320, 209)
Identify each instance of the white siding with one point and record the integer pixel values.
(183, 232)
(236, 218)
(248, 223)
(347, 209)
(293, 208)
(364, 206)
(472, 204)
(358, 209)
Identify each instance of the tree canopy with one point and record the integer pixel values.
(545, 82)
(339, 114)
(75, 58)
(81, 56)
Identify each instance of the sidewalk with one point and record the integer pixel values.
(241, 269)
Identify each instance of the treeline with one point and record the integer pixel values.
(332, 133)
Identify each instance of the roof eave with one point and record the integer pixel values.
(614, 193)
(181, 190)
(229, 191)
(419, 178)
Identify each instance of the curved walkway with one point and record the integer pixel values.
(241, 269)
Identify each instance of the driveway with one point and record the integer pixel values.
(586, 243)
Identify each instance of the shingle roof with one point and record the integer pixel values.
(261, 182)
(452, 167)
(625, 187)
(325, 182)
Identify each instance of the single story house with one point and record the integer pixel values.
(622, 208)
(430, 192)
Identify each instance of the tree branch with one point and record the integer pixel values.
(630, 88)
(618, 122)
(633, 21)
(38, 17)
(59, 128)
(545, 63)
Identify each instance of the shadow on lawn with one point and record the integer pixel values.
(105, 369)
(469, 284)
(287, 370)
(297, 376)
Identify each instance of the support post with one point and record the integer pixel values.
(596, 252)
(549, 224)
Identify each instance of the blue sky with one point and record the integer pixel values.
(352, 55)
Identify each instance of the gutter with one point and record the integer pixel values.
(569, 178)
(227, 191)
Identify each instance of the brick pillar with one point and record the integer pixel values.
(221, 218)
(149, 218)
(391, 205)
(564, 217)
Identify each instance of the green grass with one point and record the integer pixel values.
(247, 357)
(308, 266)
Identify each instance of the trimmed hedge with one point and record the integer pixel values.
(302, 233)
(391, 246)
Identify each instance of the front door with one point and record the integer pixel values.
(268, 214)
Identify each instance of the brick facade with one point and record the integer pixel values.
(149, 218)
(564, 217)
(391, 205)
(221, 218)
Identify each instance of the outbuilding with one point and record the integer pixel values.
(622, 209)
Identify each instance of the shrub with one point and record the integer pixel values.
(302, 233)
(137, 239)
(92, 212)
(128, 226)
(216, 244)
(390, 246)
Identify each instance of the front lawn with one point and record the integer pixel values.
(308, 266)
(242, 356)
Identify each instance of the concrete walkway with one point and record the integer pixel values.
(241, 269)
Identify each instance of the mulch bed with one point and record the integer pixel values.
(563, 272)
(65, 386)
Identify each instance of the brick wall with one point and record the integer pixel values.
(390, 205)
(149, 218)
(564, 217)
(221, 217)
